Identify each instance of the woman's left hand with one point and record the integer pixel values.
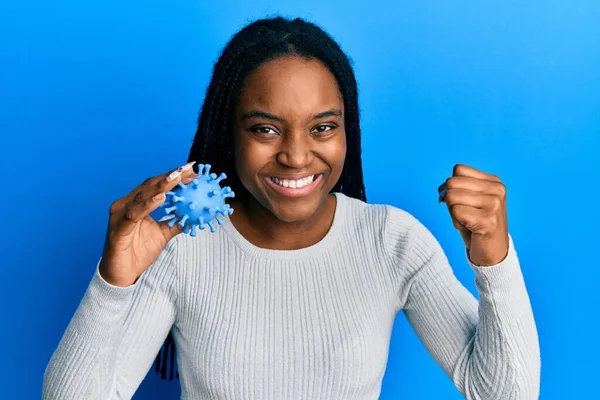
(477, 204)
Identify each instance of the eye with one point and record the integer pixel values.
(321, 129)
(263, 130)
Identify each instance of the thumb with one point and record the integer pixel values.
(169, 232)
(465, 234)
(466, 237)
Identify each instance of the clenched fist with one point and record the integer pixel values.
(477, 205)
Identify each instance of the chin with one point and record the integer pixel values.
(296, 211)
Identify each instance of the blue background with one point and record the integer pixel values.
(97, 96)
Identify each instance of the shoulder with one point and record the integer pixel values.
(394, 225)
(380, 214)
(399, 231)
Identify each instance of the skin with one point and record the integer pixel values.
(476, 201)
(288, 122)
(133, 239)
(292, 90)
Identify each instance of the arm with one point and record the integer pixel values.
(114, 335)
(489, 348)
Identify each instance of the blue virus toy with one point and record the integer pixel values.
(199, 202)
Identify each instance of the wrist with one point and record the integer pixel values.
(115, 279)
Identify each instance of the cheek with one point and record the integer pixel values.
(250, 158)
(336, 153)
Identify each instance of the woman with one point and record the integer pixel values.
(296, 294)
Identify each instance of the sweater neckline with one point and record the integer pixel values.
(273, 254)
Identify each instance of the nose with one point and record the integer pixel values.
(296, 152)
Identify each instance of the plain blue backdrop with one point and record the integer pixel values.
(97, 96)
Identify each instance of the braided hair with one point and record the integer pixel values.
(261, 41)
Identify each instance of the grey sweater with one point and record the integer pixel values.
(314, 323)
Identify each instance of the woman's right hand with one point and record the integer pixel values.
(134, 239)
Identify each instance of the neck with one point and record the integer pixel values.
(263, 229)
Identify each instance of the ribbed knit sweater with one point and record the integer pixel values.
(314, 323)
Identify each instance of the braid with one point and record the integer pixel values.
(256, 43)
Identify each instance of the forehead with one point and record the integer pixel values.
(291, 85)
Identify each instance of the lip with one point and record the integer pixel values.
(295, 192)
(294, 177)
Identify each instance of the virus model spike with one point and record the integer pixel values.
(199, 202)
(221, 177)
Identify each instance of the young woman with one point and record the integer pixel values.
(296, 294)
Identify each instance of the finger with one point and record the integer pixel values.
(149, 188)
(469, 218)
(168, 182)
(189, 177)
(146, 201)
(125, 222)
(473, 184)
(465, 170)
(458, 225)
(135, 195)
(169, 232)
(483, 201)
(167, 217)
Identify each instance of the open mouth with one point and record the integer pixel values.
(298, 183)
(294, 187)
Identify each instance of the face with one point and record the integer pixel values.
(289, 137)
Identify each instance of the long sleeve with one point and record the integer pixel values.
(114, 335)
(489, 348)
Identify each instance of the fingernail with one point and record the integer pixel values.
(158, 196)
(188, 165)
(442, 194)
(175, 174)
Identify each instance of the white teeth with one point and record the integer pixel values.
(293, 183)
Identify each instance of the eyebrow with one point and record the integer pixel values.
(266, 115)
